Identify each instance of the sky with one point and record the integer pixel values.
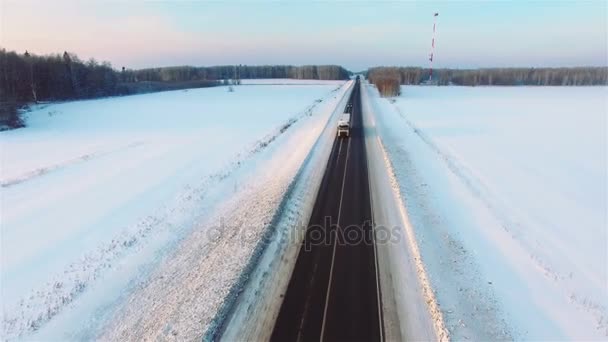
(354, 34)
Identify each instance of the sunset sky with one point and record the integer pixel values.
(356, 35)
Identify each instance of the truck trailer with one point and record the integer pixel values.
(344, 125)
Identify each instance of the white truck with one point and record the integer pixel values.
(344, 125)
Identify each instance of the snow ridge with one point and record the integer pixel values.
(50, 168)
(429, 295)
(283, 211)
(468, 310)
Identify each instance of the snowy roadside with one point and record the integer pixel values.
(410, 309)
(266, 284)
(77, 263)
(182, 297)
(495, 231)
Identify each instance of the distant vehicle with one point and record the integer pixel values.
(344, 125)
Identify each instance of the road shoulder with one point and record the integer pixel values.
(409, 308)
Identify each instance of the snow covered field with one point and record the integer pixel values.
(506, 190)
(99, 195)
(286, 81)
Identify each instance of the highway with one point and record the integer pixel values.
(333, 293)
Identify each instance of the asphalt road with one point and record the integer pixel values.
(333, 294)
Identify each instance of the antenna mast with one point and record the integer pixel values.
(433, 46)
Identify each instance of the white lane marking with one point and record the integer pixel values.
(307, 304)
(333, 255)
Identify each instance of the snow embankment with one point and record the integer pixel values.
(102, 199)
(506, 192)
(222, 267)
(264, 286)
(410, 310)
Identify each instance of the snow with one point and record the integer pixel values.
(285, 81)
(266, 284)
(100, 196)
(214, 262)
(410, 310)
(506, 190)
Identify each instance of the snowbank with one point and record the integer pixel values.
(96, 195)
(192, 293)
(266, 284)
(410, 310)
(506, 191)
(288, 81)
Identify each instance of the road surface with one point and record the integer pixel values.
(333, 294)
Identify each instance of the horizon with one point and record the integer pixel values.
(355, 35)
(353, 71)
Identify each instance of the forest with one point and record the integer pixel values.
(29, 78)
(388, 79)
(189, 73)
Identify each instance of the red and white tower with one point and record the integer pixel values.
(433, 46)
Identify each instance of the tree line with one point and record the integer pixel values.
(236, 72)
(26, 78)
(387, 80)
(576, 76)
